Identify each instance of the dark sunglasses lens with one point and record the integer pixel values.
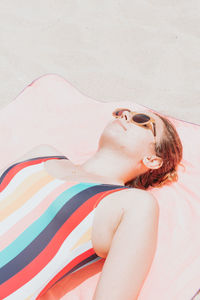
(140, 118)
(120, 112)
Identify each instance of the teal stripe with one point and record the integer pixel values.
(39, 225)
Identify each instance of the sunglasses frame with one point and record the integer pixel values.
(149, 124)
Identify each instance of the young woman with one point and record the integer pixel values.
(136, 150)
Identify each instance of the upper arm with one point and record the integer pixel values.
(111, 210)
(131, 251)
(40, 150)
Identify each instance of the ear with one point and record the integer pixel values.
(152, 162)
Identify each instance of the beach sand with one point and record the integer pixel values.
(146, 52)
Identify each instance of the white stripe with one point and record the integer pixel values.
(27, 207)
(60, 260)
(84, 247)
(19, 178)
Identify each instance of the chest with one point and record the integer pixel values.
(107, 213)
(65, 170)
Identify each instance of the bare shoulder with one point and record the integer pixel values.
(40, 150)
(124, 201)
(133, 196)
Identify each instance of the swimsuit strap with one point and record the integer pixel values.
(16, 167)
(45, 158)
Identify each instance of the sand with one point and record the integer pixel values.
(146, 52)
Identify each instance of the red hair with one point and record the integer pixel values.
(170, 149)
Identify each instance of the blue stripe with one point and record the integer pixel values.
(26, 237)
(42, 240)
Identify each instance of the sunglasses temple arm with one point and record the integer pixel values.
(154, 129)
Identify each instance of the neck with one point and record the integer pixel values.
(110, 166)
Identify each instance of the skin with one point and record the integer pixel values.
(124, 154)
(131, 251)
(128, 234)
(121, 155)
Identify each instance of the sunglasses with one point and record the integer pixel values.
(139, 119)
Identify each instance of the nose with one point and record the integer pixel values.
(126, 115)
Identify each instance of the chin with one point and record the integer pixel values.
(115, 126)
(111, 130)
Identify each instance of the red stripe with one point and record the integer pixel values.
(14, 170)
(67, 268)
(33, 268)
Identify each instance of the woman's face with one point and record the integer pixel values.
(129, 138)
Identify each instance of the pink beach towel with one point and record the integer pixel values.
(51, 111)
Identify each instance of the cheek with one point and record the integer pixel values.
(135, 140)
(138, 141)
(111, 135)
(113, 131)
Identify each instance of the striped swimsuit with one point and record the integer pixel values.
(46, 226)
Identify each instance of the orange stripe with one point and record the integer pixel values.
(66, 269)
(15, 169)
(28, 272)
(24, 192)
(32, 216)
(34, 267)
(83, 239)
(19, 188)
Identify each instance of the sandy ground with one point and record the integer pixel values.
(142, 51)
